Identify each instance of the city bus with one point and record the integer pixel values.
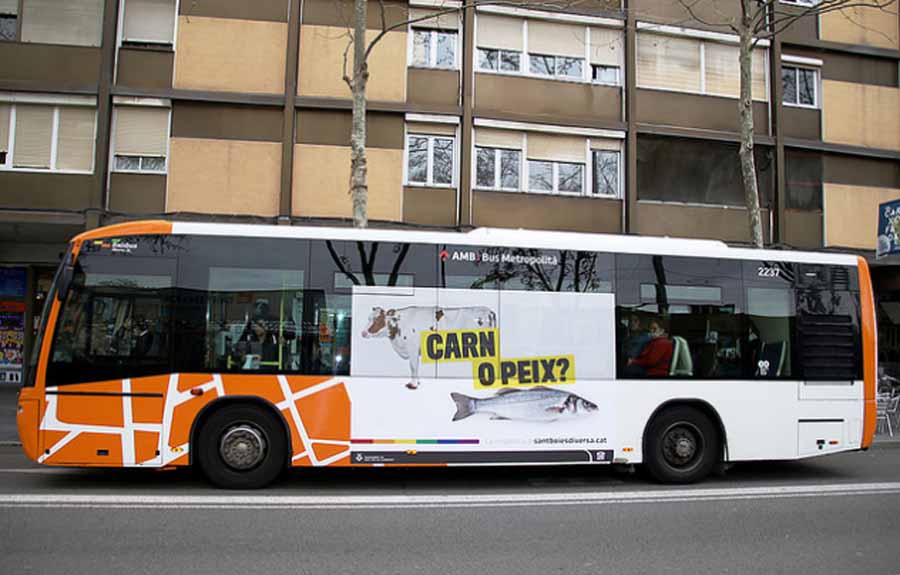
(244, 350)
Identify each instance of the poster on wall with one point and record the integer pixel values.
(506, 373)
(12, 341)
(888, 229)
(12, 282)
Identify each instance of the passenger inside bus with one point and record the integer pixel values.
(656, 357)
(636, 339)
(257, 346)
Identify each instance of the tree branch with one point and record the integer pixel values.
(340, 264)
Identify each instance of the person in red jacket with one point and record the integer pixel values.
(656, 357)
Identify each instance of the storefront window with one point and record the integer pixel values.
(12, 324)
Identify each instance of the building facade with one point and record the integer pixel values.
(602, 117)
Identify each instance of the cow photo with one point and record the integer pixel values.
(404, 327)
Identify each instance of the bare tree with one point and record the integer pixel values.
(763, 20)
(357, 79)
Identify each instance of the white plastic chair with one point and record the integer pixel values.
(883, 411)
(681, 363)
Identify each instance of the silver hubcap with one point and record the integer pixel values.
(682, 443)
(242, 447)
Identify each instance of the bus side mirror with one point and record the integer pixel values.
(66, 273)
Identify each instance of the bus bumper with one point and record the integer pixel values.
(28, 411)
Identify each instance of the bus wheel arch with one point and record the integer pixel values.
(240, 442)
(690, 428)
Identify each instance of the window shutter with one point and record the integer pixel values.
(499, 32)
(490, 138)
(556, 148)
(602, 144)
(34, 131)
(431, 129)
(141, 131)
(758, 75)
(9, 6)
(75, 147)
(556, 39)
(606, 46)
(150, 20)
(4, 127)
(448, 21)
(77, 22)
(723, 69)
(666, 62)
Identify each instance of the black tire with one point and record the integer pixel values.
(682, 446)
(241, 446)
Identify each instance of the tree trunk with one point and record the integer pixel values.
(745, 105)
(359, 187)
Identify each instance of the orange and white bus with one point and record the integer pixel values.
(248, 349)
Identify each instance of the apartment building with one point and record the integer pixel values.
(603, 117)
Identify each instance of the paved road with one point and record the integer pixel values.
(839, 514)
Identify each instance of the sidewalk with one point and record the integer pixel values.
(8, 431)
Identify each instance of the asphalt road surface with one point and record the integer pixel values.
(838, 514)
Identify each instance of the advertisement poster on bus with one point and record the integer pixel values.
(517, 370)
(888, 229)
(12, 341)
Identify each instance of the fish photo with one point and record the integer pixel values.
(532, 404)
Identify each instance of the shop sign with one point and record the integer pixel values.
(888, 229)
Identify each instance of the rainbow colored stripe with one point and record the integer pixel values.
(414, 441)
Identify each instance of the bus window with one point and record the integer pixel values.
(767, 351)
(678, 317)
(239, 304)
(253, 318)
(336, 267)
(473, 267)
(116, 320)
(768, 347)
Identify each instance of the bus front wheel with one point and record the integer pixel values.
(241, 446)
(682, 445)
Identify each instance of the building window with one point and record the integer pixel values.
(803, 180)
(430, 160)
(497, 169)
(42, 137)
(141, 139)
(694, 171)
(556, 66)
(696, 66)
(555, 177)
(799, 86)
(149, 22)
(434, 48)
(73, 22)
(606, 173)
(605, 74)
(9, 10)
(499, 60)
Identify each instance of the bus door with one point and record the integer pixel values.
(110, 362)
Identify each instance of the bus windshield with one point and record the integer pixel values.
(114, 321)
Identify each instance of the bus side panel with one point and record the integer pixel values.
(147, 422)
(28, 416)
(870, 352)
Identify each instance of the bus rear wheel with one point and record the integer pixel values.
(241, 447)
(682, 446)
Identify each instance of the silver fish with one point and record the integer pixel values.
(531, 404)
